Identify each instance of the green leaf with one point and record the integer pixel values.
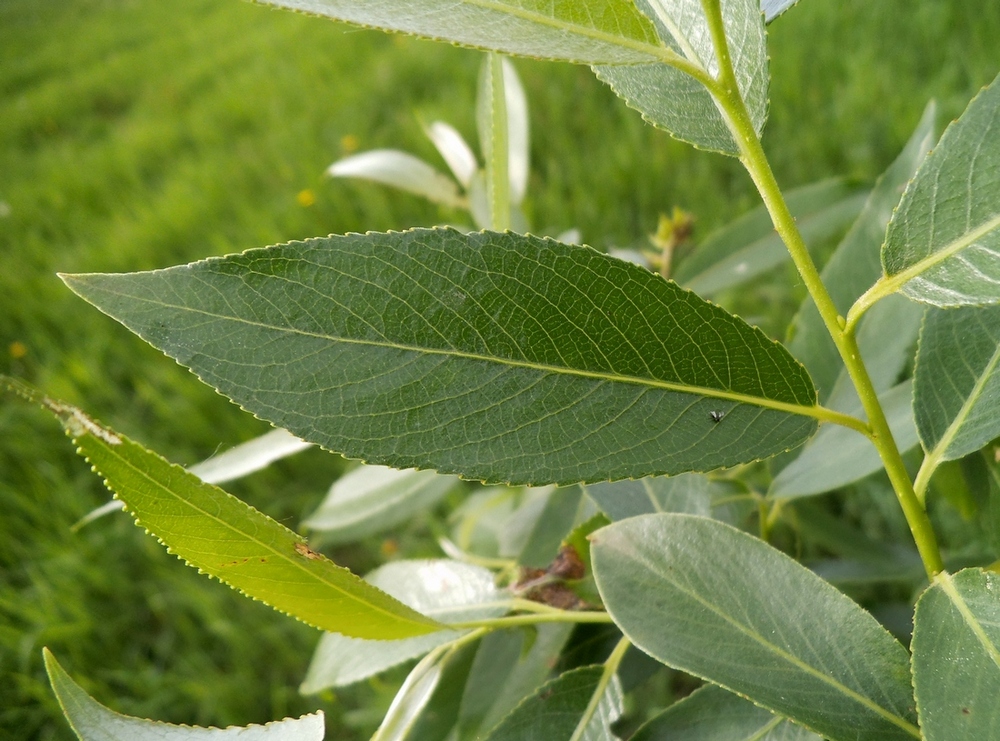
(688, 493)
(221, 536)
(448, 591)
(373, 499)
(248, 457)
(553, 524)
(855, 265)
(413, 697)
(956, 657)
(722, 605)
(673, 100)
(496, 356)
(508, 667)
(838, 456)
(712, 714)
(943, 244)
(750, 246)
(93, 722)
(554, 711)
(773, 8)
(956, 387)
(587, 31)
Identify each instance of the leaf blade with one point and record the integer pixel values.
(537, 362)
(798, 639)
(943, 243)
(956, 656)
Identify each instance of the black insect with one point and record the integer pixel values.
(716, 416)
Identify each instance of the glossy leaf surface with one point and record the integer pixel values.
(677, 102)
(750, 246)
(588, 31)
(725, 606)
(555, 711)
(956, 390)
(943, 244)
(222, 536)
(713, 714)
(373, 499)
(500, 357)
(448, 591)
(855, 265)
(94, 722)
(249, 457)
(956, 657)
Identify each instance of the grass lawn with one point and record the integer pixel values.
(138, 134)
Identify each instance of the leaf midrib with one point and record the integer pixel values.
(790, 658)
(814, 411)
(287, 557)
(945, 580)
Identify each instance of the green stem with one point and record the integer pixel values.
(727, 94)
(610, 669)
(558, 616)
(493, 117)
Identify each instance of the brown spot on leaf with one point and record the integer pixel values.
(303, 550)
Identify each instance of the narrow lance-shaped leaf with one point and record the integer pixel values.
(943, 244)
(674, 100)
(497, 356)
(220, 535)
(956, 657)
(399, 170)
(448, 591)
(725, 606)
(587, 31)
(956, 390)
(713, 714)
(93, 722)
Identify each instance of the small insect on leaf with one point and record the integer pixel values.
(716, 416)
(303, 550)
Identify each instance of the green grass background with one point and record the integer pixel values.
(137, 134)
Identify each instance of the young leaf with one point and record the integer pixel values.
(448, 591)
(750, 246)
(91, 721)
(372, 499)
(956, 387)
(220, 535)
(855, 265)
(956, 656)
(586, 31)
(557, 708)
(943, 244)
(673, 100)
(713, 714)
(412, 697)
(399, 170)
(725, 606)
(689, 493)
(838, 456)
(248, 457)
(497, 356)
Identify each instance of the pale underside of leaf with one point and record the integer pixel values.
(943, 244)
(498, 357)
(727, 607)
(95, 722)
(585, 31)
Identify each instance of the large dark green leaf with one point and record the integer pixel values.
(589, 31)
(220, 535)
(943, 244)
(677, 102)
(496, 356)
(712, 714)
(956, 389)
(93, 722)
(855, 265)
(725, 606)
(956, 657)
